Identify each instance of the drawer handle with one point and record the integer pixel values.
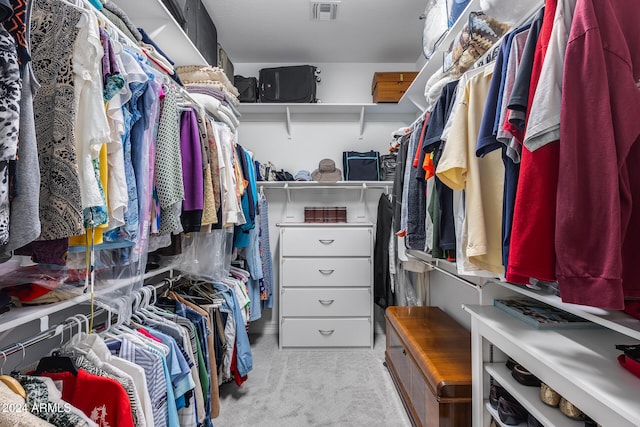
(327, 272)
(326, 331)
(404, 351)
(326, 241)
(326, 301)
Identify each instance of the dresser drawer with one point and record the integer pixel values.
(326, 241)
(351, 272)
(325, 332)
(326, 302)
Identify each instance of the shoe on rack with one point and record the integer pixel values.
(571, 411)
(533, 422)
(494, 394)
(510, 364)
(525, 377)
(510, 411)
(549, 395)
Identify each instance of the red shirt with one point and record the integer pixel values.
(532, 246)
(103, 400)
(598, 218)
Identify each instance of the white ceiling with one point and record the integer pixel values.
(281, 31)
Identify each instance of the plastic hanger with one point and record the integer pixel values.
(56, 363)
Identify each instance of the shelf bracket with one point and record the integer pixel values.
(288, 111)
(361, 122)
(363, 201)
(420, 108)
(288, 208)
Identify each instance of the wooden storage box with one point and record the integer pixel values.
(390, 86)
(429, 357)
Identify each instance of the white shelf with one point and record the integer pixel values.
(415, 94)
(155, 19)
(23, 315)
(327, 112)
(339, 185)
(529, 397)
(578, 364)
(611, 319)
(494, 414)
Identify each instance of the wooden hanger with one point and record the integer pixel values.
(13, 385)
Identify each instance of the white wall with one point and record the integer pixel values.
(314, 137)
(312, 141)
(341, 82)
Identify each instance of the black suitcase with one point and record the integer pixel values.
(248, 88)
(198, 25)
(288, 84)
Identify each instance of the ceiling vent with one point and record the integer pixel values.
(324, 11)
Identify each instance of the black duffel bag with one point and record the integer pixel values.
(361, 166)
(248, 88)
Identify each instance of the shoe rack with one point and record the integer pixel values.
(579, 364)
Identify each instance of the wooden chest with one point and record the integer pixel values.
(390, 86)
(429, 357)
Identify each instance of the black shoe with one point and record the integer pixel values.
(525, 377)
(511, 412)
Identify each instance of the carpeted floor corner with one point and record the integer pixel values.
(315, 387)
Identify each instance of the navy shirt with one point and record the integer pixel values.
(519, 99)
(433, 143)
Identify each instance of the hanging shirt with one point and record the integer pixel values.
(543, 124)
(152, 365)
(108, 408)
(598, 215)
(481, 178)
(168, 172)
(531, 250)
(54, 31)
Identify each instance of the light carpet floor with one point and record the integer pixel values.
(299, 388)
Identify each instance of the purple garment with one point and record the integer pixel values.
(208, 90)
(191, 162)
(46, 251)
(109, 63)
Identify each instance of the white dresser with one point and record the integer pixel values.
(326, 285)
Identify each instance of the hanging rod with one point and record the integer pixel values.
(434, 265)
(69, 323)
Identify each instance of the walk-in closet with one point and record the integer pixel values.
(319, 213)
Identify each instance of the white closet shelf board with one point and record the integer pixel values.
(415, 94)
(327, 224)
(529, 397)
(577, 363)
(611, 319)
(339, 185)
(23, 315)
(329, 112)
(323, 108)
(448, 268)
(155, 19)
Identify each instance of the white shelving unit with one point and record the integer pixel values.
(154, 17)
(611, 319)
(529, 397)
(333, 112)
(290, 187)
(22, 315)
(580, 364)
(415, 94)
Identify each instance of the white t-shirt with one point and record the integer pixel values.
(543, 125)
